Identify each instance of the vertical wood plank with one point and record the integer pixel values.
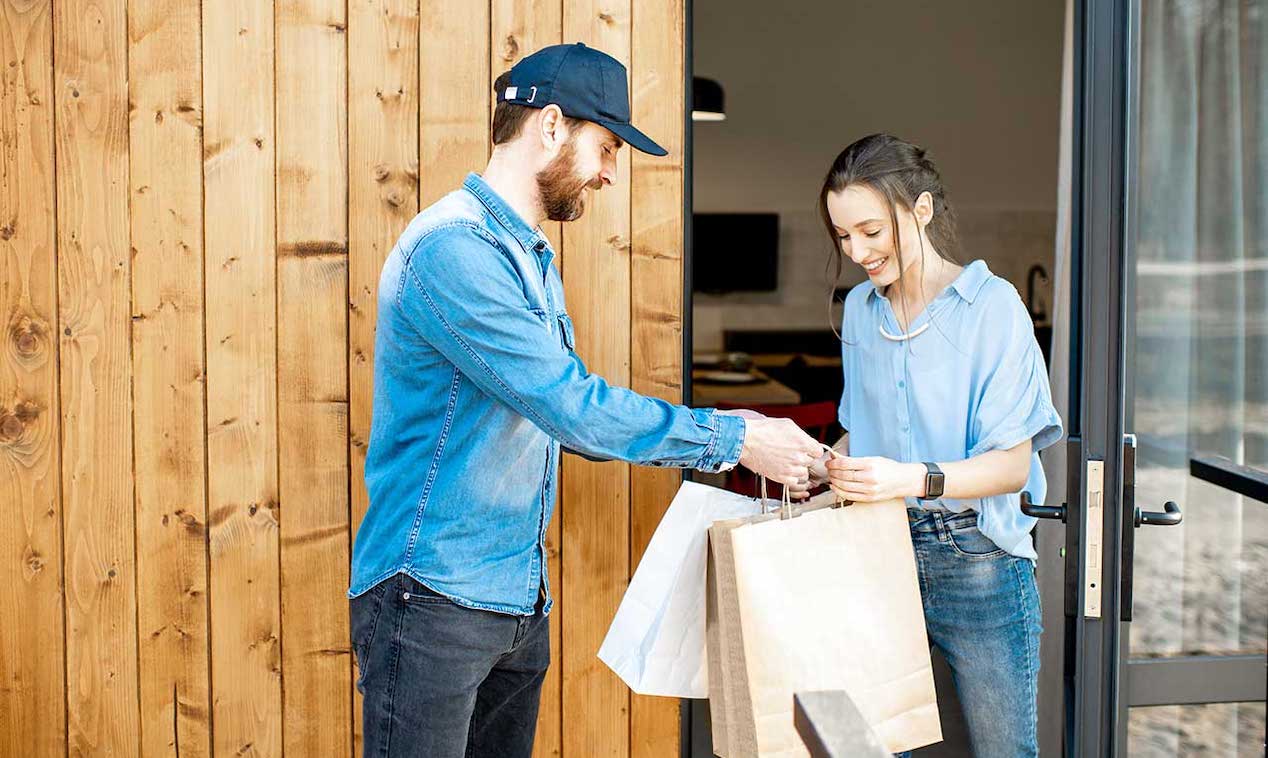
(453, 65)
(596, 516)
(312, 271)
(241, 343)
(165, 187)
(520, 28)
(90, 71)
(32, 700)
(656, 213)
(382, 198)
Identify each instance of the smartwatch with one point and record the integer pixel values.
(935, 480)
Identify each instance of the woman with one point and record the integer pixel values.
(946, 404)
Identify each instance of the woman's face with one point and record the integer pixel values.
(861, 221)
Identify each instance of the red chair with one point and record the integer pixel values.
(819, 420)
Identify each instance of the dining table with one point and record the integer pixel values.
(709, 387)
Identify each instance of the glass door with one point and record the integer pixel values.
(1166, 560)
(1197, 377)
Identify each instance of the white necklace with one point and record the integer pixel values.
(902, 337)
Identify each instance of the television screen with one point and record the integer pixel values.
(735, 252)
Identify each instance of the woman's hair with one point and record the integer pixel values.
(899, 172)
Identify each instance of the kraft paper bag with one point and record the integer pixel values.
(828, 599)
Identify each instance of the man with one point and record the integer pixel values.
(476, 389)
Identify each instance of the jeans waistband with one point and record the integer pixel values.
(939, 520)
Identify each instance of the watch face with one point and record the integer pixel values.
(935, 484)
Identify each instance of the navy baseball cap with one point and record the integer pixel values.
(585, 83)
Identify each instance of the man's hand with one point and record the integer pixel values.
(779, 450)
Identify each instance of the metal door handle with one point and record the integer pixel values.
(1041, 511)
(1170, 516)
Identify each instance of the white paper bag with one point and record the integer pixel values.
(656, 643)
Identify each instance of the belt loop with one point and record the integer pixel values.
(939, 518)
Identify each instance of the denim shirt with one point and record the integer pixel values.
(476, 386)
(973, 381)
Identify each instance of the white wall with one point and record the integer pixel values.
(977, 82)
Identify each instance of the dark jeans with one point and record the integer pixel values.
(444, 681)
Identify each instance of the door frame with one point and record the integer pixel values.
(692, 714)
(1101, 83)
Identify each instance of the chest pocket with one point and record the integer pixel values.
(567, 333)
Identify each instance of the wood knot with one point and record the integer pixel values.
(7, 231)
(33, 560)
(10, 428)
(28, 335)
(381, 173)
(510, 48)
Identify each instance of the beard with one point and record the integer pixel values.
(562, 189)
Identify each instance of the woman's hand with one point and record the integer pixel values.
(872, 479)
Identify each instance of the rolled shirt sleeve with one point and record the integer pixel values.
(1015, 402)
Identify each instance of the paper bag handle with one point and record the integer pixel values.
(786, 509)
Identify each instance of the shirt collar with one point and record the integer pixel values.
(966, 285)
(971, 280)
(514, 222)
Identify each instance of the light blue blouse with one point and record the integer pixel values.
(972, 382)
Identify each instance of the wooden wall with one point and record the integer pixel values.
(197, 199)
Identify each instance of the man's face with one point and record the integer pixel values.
(586, 162)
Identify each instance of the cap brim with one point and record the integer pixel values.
(634, 138)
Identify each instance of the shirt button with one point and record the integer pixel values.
(901, 384)
(906, 428)
(540, 246)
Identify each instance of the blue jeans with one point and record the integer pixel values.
(982, 611)
(444, 681)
